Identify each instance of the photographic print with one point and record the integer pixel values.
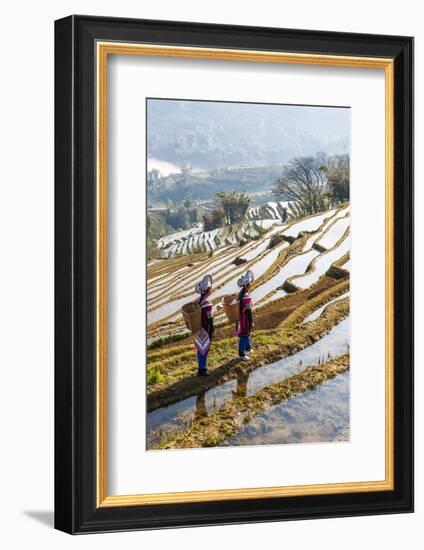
(248, 274)
(203, 293)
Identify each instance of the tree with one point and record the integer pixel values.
(193, 214)
(304, 183)
(156, 228)
(169, 203)
(153, 177)
(337, 171)
(213, 219)
(234, 205)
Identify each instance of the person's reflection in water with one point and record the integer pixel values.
(242, 378)
(200, 410)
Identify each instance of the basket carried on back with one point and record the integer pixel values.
(231, 308)
(192, 313)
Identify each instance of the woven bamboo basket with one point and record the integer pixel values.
(231, 308)
(192, 314)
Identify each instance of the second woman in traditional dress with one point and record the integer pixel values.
(245, 323)
(203, 337)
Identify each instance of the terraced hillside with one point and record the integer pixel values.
(269, 210)
(301, 337)
(194, 240)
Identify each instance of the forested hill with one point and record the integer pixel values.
(217, 134)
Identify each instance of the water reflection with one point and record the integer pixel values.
(181, 415)
(242, 381)
(319, 415)
(200, 410)
(317, 313)
(333, 344)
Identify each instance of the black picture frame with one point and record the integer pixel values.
(76, 510)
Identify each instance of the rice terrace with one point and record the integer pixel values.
(277, 227)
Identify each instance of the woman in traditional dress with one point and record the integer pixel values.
(203, 337)
(245, 323)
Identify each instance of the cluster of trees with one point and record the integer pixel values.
(314, 184)
(156, 228)
(183, 216)
(153, 178)
(231, 207)
(173, 218)
(338, 177)
(214, 219)
(234, 205)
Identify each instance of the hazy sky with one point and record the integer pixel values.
(209, 133)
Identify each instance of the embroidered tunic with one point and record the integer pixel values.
(245, 323)
(202, 339)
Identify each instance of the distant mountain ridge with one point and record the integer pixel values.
(210, 134)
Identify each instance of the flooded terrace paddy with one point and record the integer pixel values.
(318, 415)
(180, 415)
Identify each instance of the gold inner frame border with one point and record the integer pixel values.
(103, 50)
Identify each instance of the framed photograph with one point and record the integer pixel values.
(234, 274)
